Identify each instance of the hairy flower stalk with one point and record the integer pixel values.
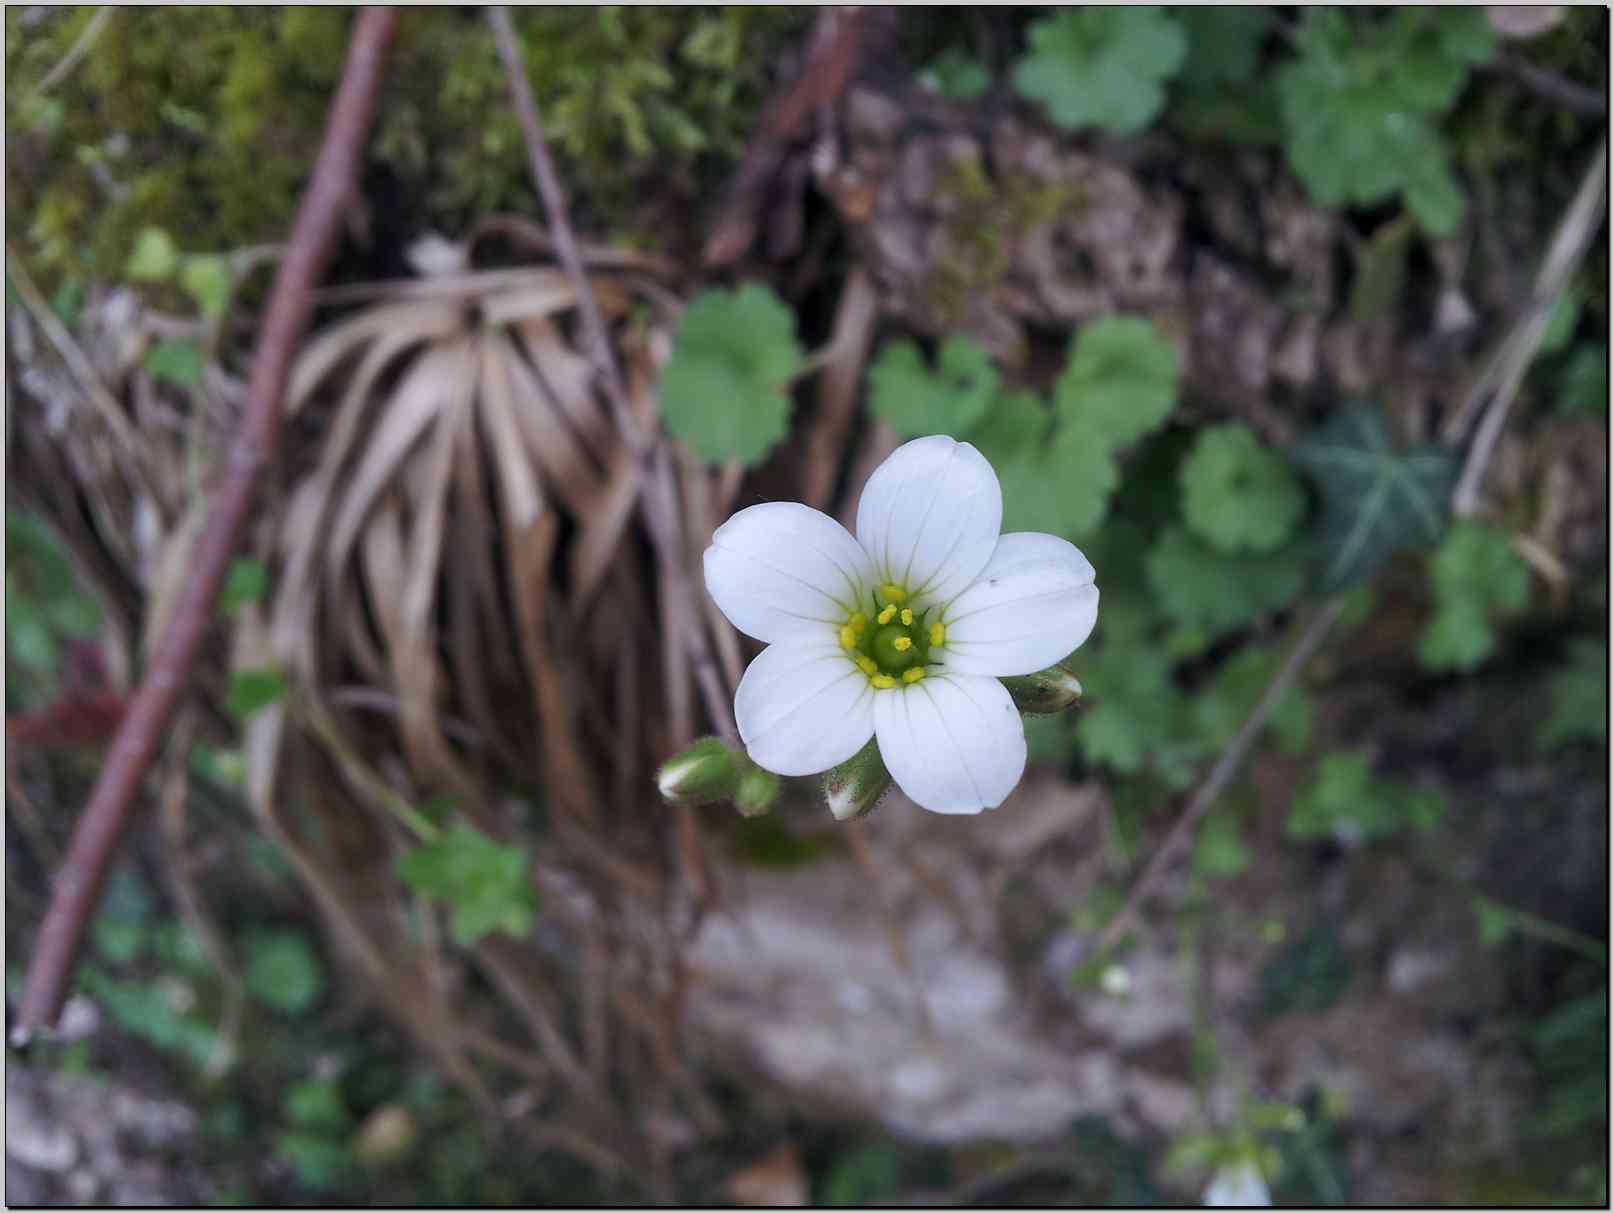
(899, 639)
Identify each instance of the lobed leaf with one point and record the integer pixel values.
(725, 391)
(915, 400)
(1102, 66)
(1236, 493)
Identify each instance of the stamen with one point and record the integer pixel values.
(866, 664)
(848, 637)
(857, 622)
(938, 634)
(894, 593)
(902, 643)
(883, 682)
(916, 674)
(887, 614)
(907, 618)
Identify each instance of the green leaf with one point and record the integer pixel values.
(318, 1106)
(1308, 976)
(1380, 272)
(1102, 66)
(726, 389)
(487, 883)
(1375, 500)
(155, 256)
(1200, 587)
(1218, 94)
(248, 582)
(1222, 706)
(1344, 799)
(1220, 851)
(283, 972)
(1477, 580)
(318, 1161)
(1495, 922)
(1359, 98)
(865, 1176)
(1121, 380)
(253, 690)
(957, 75)
(914, 400)
(177, 361)
(1236, 493)
(1578, 697)
(207, 279)
(1051, 480)
(1582, 387)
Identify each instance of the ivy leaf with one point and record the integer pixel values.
(1375, 500)
(177, 361)
(1120, 383)
(486, 883)
(914, 400)
(725, 391)
(154, 258)
(1236, 493)
(1102, 66)
(1578, 697)
(1477, 578)
(282, 971)
(1345, 800)
(253, 690)
(1200, 587)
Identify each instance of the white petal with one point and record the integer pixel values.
(929, 516)
(954, 744)
(779, 569)
(803, 707)
(1034, 603)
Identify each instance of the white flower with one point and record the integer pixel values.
(901, 632)
(1238, 1186)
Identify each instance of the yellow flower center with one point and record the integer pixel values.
(891, 643)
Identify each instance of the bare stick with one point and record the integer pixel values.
(1225, 768)
(1568, 246)
(80, 48)
(1558, 89)
(78, 885)
(658, 498)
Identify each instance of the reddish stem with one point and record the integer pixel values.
(77, 888)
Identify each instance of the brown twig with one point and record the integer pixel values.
(78, 885)
(1554, 88)
(1221, 774)
(1568, 245)
(658, 498)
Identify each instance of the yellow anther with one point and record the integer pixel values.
(938, 634)
(883, 682)
(867, 666)
(902, 643)
(907, 617)
(894, 593)
(848, 637)
(887, 614)
(857, 622)
(916, 674)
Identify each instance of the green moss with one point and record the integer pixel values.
(205, 121)
(989, 218)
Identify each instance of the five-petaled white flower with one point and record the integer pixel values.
(902, 632)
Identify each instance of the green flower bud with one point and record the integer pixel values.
(757, 791)
(707, 771)
(855, 786)
(1044, 692)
